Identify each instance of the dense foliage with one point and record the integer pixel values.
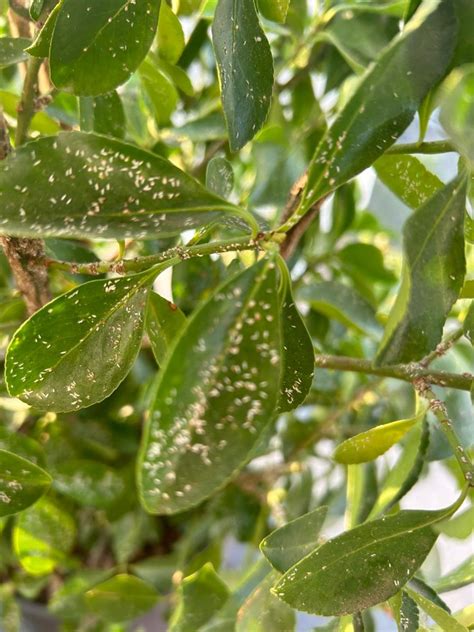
(236, 312)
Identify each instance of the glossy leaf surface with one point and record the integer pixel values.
(275, 10)
(220, 177)
(208, 413)
(12, 50)
(22, 483)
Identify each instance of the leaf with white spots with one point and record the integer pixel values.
(163, 322)
(216, 394)
(78, 348)
(386, 99)
(245, 64)
(84, 185)
(96, 46)
(432, 277)
(361, 567)
(444, 619)
(297, 355)
(220, 176)
(22, 483)
(12, 50)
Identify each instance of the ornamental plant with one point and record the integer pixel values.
(236, 316)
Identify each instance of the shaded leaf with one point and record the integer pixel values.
(262, 611)
(220, 177)
(68, 601)
(468, 325)
(363, 566)
(342, 303)
(405, 612)
(445, 620)
(42, 537)
(108, 189)
(245, 66)
(76, 350)
(400, 78)
(433, 275)
(103, 114)
(170, 35)
(368, 445)
(460, 526)
(22, 483)
(200, 596)
(41, 45)
(12, 50)
(229, 383)
(120, 598)
(462, 575)
(164, 320)
(457, 110)
(9, 609)
(364, 262)
(287, 545)
(86, 32)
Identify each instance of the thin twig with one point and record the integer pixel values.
(434, 147)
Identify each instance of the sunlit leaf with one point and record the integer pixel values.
(163, 322)
(462, 575)
(170, 35)
(275, 10)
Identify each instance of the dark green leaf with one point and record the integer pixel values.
(42, 537)
(36, 8)
(289, 544)
(405, 612)
(275, 10)
(42, 43)
(433, 275)
(86, 32)
(297, 358)
(464, 53)
(103, 114)
(68, 601)
(22, 483)
(262, 611)
(163, 322)
(220, 177)
(462, 575)
(457, 110)
(83, 185)
(342, 303)
(245, 67)
(400, 78)
(12, 50)
(170, 35)
(363, 566)
(200, 596)
(370, 444)
(76, 350)
(446, 621)
(468, 325)
(364, 262)
(121, 598)
(408, 178)
(229, 383)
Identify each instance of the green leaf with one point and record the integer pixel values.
(262, 611)
(229, 383)
(36, 8)
(108, 189)
(297, 358)
(68, 601)
(364, 262)
(170, 35)
(445, 620)
(22, 483)
(289, 544)
(408, 179)
(245, 64)
(369, 445)
(468, 325)
(342, 303)
(41, 122)
(89, 483)
(160, 90)
(433, 275)
(42, 537)
(459, 527)
(464, 53)
(9, 609)
(103, 114)
(457, 110)
(200, 596)
(275, 10)
(405, 612)
(120, 598)
(462, 575)
(42, 43)
(164, 320)
(362, 567)
(76, 350)
(86, 32)
(220, 177)
(12, 50)
(400, 78)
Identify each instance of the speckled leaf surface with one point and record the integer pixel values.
(433, 275)
(84, 185)
(77, 349)
(289, 544)
(362, 567)
(245, 67)
(209, 411)
(386, 100)
(444, 619)
(96, 46)
(163, 322)
(12, 50)
(297, 356)
(22, 483)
